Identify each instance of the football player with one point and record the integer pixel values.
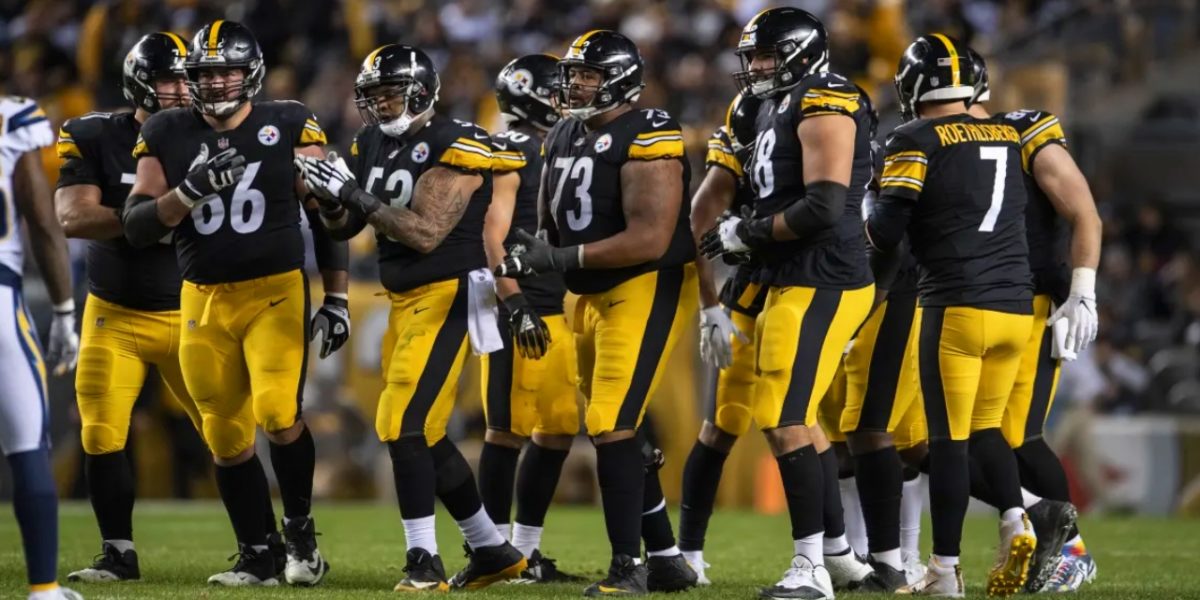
(24, 420)
(131, 320)
(810, 168)
(954, 184)
(528, 386)
(220, 176)
(613, 208)
(424, 182)
(1058, 197)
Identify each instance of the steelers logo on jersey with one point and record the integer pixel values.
(420, 153)
(783, 104)
(268, 135)
(603, 143)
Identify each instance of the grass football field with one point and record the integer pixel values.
(181, 544)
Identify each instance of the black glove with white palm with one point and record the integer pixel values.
(332, 324)
(529, 331)
(332, 180)
(534, 256)
(1079, 311)
(736, 234)
(209, 175)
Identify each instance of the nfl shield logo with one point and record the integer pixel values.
(223, 143)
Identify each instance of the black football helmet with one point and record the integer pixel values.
(391, 73)
(739, 122)
(525, 88)
(983, 90)
(224, 45)
(156, 56)
(797, 39)
(617, 59)
(934, 68)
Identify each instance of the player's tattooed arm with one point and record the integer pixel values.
(651, 194)
(714, 197)
(438, 203)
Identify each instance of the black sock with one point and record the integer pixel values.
(701, 478)
(989, 448)
(497, 472)
(269, 516)
(536, 480)
(1041, 471)
(948, 493)
(415, 477)
(244, 490)
(981, 490)
(804, 484)
(293, 464)
(622, 478)
(455, 483)
(834, 519)
(111, 490)
(656, 523)
(880, 481)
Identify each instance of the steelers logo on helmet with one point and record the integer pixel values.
(268, 135)
(420, 153)
(524, 91)
(520, 81)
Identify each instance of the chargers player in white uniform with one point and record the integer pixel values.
(24, 421)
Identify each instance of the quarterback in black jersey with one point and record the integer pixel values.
(614, 211)
(954, 183)
(810, 168)
(424, 182)
(220, 175)
(1059, 198)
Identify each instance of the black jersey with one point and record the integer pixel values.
(96, 150)
(583, 188)
(1048, 234)
(835, 258)
(721, 155)
(514, 151)
(389, 167)
(964, 179)
(249, 230)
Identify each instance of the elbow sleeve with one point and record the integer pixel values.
(331, 255)
(140, 221)
(819, 209)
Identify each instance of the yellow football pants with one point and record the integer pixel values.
(1037, 381)
(525, 395)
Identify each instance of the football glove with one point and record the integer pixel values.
(331, 178)
(736, 234)
(207, 176)
(63, 350)
(716, 336)
(332, 324)
(534, 256)
(1079, 310)
(530, 332)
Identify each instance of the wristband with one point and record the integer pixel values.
(337, 299)
(65, 307)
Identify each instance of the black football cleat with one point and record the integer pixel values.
(886, 579)
(669, 574)
(488, 565)
(545, 570)
(278, 549)
(1052, 522)
(253, 568)
(625, 578)
(305, 565)
(110, 565)
(423, 573)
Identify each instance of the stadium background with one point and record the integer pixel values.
(1121, 74)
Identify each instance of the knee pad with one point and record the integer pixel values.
(93, 376)
(227, 437)
(99, 438)
(452, 469)
(275, 409)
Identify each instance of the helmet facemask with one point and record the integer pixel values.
(393, 106)
(222, 99)
(602, 100)
(787, 72)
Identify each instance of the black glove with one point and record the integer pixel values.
(737, 234)
(332, 323)
(534, 255)
(529, 331)
(208, 176)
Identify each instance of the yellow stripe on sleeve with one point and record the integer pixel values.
(309, 137)
(472, 157)
(664, 145)
(354, 148)
(1045, 131)
(721, 156)
(819, 101)
(905, 169)
(140, 149)
(506, 161)
(66, 148)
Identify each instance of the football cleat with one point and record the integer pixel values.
(914, 569)
(110, 565)
(488, 565)
(58, 593)
(802, 580)
(939, 581)
(885, 579)
(847, 571)
(1013, 555)
(696, 562)
(625, 578)
(424, 573)
(544, 570)
(669, 574)
(305, 565)
(1074, 568)
(252, 568)
(1052, 523)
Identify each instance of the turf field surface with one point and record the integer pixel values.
(181, 544)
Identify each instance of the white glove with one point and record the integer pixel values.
(716, 336)
(1058, 349)
(325, 178)
(729, 236)
(63, 350)
(1079, 311)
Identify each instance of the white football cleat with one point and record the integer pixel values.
(914, 569)
(305, 565)
(847, 571)
(58, 593)
(939, 581)
(802, 580)
(695, 560)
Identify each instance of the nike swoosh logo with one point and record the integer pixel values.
(658, 123)
(613, 303)
(420, 310)
(480, 137)
(276, 302)
(610, 590)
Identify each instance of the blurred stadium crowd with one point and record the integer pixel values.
(1058, 55)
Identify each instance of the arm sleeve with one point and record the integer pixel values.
(331, 255)
(141, 223)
